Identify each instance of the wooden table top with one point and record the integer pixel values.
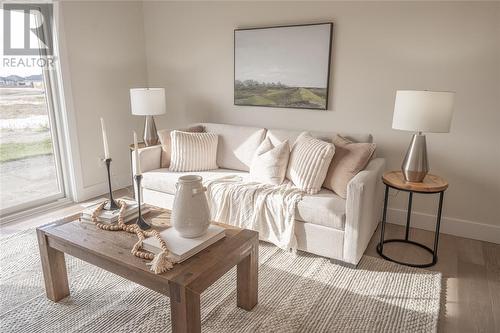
(430, 184)
(111, 251)
(140, 145)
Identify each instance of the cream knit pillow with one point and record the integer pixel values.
(270, 162)
(309, 161)
(193, 151)
(164, 136)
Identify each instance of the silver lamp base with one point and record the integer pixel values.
(150, 134)
(415, 165)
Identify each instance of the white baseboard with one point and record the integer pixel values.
(26, 213)
(96, 190)
(449, 225)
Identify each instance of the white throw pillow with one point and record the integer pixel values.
(270, 162)
(309, 162)
(193, 151)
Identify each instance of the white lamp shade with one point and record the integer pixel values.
(147, 101)
(423, 111)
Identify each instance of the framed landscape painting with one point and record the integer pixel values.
(283, 67)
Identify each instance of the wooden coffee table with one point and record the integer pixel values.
(184, 283)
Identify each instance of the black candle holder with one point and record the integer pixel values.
(140, 220)
(112, 205)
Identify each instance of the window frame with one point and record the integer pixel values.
(53, 88)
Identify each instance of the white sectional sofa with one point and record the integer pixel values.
(326, 224)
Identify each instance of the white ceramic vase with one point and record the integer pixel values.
(190, 213)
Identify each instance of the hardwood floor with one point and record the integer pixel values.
(471, 276)
(470, 269)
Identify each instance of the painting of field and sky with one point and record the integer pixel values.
(286, 67)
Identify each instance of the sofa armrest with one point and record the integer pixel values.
(150, 158)
(363, 207)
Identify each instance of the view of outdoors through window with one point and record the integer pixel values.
(28, 169)
(27, 164)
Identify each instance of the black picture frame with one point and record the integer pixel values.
(330, 41)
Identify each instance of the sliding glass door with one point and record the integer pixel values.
(30, 161)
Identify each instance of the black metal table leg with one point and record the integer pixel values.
(384, 216)
(408, 215)
(438, 225)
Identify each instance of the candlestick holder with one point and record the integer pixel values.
(112, 205)
(140, 220)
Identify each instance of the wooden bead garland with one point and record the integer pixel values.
(160, 262)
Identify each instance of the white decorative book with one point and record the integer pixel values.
(183, 248)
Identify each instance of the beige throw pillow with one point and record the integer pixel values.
(164, 136)
(270, 162)
(309, 161)
(350, 158)
(193, 151)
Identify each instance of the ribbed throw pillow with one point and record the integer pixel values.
(193, 151)
(166, 149)
(270, 162)
(350, 158)
(309, 161)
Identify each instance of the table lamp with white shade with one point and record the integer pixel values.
(421, 111)
(148, 102)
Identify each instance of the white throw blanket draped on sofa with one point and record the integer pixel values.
(268, 209)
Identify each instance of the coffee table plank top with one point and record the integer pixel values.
(111, 250)
(184, 283)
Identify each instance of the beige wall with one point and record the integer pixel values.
(103, 57)
(377, 49)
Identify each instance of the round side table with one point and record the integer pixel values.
(430, 185)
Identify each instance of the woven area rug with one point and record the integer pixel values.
(297, 293)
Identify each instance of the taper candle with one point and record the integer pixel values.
(104, 139)
(136, 153)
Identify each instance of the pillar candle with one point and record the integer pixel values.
(105, 139)
(136, 154)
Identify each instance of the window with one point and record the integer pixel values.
(31, 172)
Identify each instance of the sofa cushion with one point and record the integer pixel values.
(279, 135)
(237, 144)
(164, 180)
(349, 159)
(193, 151)
(309, 161)
(270, 162)
(164, 136)
(324, 208)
